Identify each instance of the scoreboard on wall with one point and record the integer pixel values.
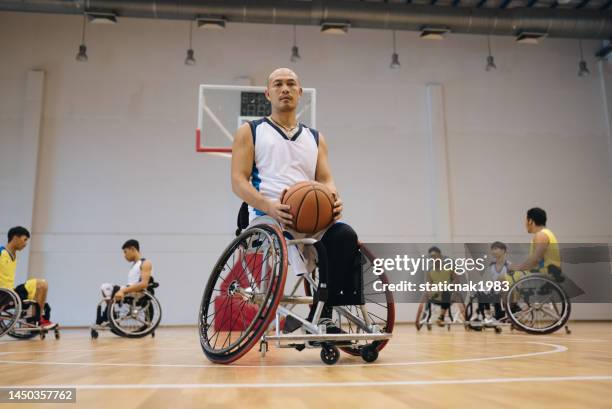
(253, 105)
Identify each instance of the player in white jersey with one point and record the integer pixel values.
(138, 276)
(498, 271)
(272, 154)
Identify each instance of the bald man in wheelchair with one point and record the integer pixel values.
(271, 154)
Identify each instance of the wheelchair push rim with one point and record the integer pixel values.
(537, 305)
(250, 273)
(10, 310)
(136, 316)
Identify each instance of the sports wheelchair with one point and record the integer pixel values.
(535, 303)
(20, 319)
(136, 316)
(244, 303)
(431, 306)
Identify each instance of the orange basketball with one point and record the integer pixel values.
(312, 205)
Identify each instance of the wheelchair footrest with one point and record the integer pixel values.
(329, 337)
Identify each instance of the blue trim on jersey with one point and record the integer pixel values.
(253, 125)
(315, 134)
(280, 131)
(256, 181)
(2, 248)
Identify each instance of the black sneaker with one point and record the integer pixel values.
(330, 326)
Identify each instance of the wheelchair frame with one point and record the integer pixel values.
(426, 307)
(131, 299)
(314, 336)
(20, 326)
(512, 319)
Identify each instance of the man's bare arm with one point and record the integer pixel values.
(243, 157)
(541, 244)
(323, 175)
(145, 275)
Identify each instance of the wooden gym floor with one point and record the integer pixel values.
(456, 369)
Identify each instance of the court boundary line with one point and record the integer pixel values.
(585, 378)
(556, 349)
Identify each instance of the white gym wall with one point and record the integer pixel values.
(116, 157)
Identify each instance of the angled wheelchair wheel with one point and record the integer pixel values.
(378, 312)
(537, 305)
(10, 310)
(26, 326)
(136, 316)
(423, 315)
(470, 311)
(242, 293)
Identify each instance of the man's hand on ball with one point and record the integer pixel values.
(280, 212)
(337, 207)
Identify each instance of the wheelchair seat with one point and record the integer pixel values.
(152, 285)
(242, 221)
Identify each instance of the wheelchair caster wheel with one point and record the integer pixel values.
(428, 327)
(153, 334)
(498, 330)
(567, 330)
(263, 348)
(56, 333)
(43, 335)
(330, 354)
(94, 334)
(369, 354)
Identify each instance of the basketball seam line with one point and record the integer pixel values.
(300, 208)
(286, 199)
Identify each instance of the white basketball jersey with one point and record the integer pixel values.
(134, 273)
(493, 274)
(280, 161)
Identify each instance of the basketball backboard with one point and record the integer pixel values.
(222, 109)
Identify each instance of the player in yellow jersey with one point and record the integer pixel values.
(34, 288)
(544, 254)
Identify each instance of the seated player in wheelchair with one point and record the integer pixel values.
(139, 280)
(538, 300)
(544, 256)
(442, 299)
(272, 154)
(34, 290)
(497, 271)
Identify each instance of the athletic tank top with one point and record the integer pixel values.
(134, 273)
(551, 255)
(493, 274)
(280, 161)
(8, 265)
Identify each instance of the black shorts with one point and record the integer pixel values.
(22, 292)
